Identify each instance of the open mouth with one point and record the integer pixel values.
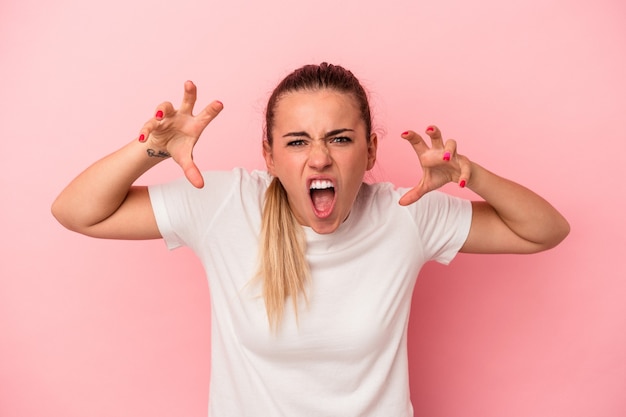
(323, 197)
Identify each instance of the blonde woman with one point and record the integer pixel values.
(311, 270)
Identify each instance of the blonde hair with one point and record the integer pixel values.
(283, 267)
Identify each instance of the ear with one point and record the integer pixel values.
(267, 155)
(372, 146)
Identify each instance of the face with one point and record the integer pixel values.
(319, 153)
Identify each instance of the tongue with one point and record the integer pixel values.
(323, 199)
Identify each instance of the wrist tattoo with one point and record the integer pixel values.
(158, 154)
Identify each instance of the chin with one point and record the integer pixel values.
(324, 227)
(324, 230)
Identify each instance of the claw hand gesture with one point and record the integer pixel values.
(174, 132)
(440, 163)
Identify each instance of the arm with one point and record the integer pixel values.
(102, 201)
(512, 219)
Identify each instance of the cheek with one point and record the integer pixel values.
(285, 171)
(359, 162)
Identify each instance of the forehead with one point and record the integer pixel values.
(316, 110)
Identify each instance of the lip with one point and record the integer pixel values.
(327, 213)
(310, 180)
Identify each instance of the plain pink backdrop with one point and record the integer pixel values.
(534, 90)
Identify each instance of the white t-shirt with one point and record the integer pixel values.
(347, 354)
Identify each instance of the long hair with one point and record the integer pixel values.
(283, 267)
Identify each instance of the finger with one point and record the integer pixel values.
(435, 137)
(449, 149)
(192, 173)
(194, 176)
(466, 172)
(146, 129)
(412, 195)
(210, 112)
(164, 110)
(416, 141)
(189, 98)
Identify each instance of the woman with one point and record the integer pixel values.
(311, 271)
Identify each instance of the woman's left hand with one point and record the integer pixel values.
(440, 162)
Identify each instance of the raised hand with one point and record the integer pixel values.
(440, 163)
(174, 132)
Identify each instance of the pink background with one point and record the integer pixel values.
(532, 89)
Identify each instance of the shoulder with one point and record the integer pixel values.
(386, 194)
(383, 199)
(238, 175)
(379, 192)
(219, 182)
(237, 186)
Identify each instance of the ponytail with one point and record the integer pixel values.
(283, 268)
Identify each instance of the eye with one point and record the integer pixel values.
(340, 139)
(297, 142)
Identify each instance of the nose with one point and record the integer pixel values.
(319, 156)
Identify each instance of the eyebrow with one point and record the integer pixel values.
(327, 135)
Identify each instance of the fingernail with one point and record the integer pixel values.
(219, 102)
(446, 156)
(405, 133)
(159, 114)
(462, 184)
(430, 129)
(142, 138)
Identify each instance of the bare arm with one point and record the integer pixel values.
(512, 219)
(102, 201)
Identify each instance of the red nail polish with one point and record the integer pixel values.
(142, 138)
(446, 156)
(159, 114)
(405, 133)
(430, 129)
(462, 184)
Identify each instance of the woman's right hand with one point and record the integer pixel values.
(174, 132)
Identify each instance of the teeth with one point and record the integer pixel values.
(321, 184)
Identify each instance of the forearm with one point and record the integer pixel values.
(524, 212)
(101, 189)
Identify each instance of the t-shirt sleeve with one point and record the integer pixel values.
(159, 207)
(443, 222)
(184, 213)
